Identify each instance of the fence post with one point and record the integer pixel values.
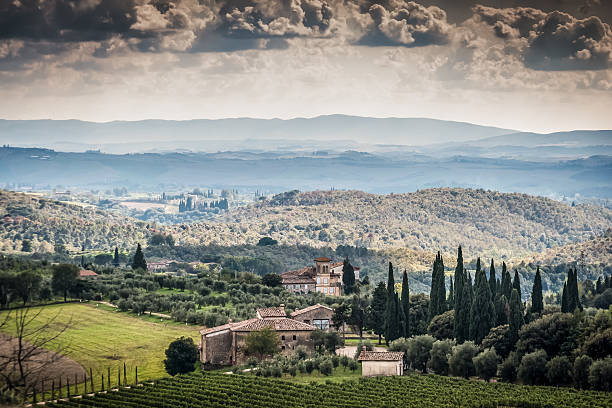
(136, 380)
(34, 401)
(59, 389)
(53, 390)
(42, 387)
(124, 375)
(85, 383)
(76, 384)
(118, 377)
(91, 380)
(102, 382)
(108, 378)
(68, 387)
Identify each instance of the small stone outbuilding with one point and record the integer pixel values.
(375, 363)
(320, 316)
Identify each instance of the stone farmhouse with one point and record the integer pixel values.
(324, 276)
(225, 345)
(374, 363)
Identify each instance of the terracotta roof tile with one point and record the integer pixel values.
(309, 308)
(227, 326)
(283, 324)
(298, 279)
(381, 356)
(87, 272)
(271, 312)
(322, 259)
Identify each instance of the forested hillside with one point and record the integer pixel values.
(46, 224)
(485, 222)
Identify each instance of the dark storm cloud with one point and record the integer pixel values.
(406, 23)
(555, 40)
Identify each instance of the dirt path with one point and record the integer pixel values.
(165, 316)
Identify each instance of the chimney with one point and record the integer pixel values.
(282, 305)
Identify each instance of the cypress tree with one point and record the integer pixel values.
(482, 314)
(400, 318)
(516, 316)
(462, 313)
(506, 282)
(573, 301)
(116, 258)
(537, 300)
(139, 259)
(516, 283)
(433, 293)
(501, 310)
(441, 286)
(405, 306)
(459, 328)
(493, 280)
(348, 277)
(391, 328)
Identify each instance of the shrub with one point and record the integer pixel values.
(439, 355)
(509, 367)
(335, 360)
(181, 356)
(353, 365)
(276, 371)
(301, 367)
(344, 361)
(600, 374)
(559, 371)
(442, 326)
(292, 370)
(555, 334)
(532, 369)
(582, 365)
(309, 365)
(461, 361)
(301, 352)
(418, 351)
(499, 339)
(485, 364)
(326, 367)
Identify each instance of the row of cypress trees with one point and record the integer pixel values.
(569, 297)
(397, 309)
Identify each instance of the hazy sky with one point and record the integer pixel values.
(539, 65)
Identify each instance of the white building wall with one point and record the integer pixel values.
(374, 368)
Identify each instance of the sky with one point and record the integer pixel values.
(540, 65)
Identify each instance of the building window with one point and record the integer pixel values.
(325, 290)
(307, 321)
(282, 348)
(294, 337)
(282, 337)
(331, 290)
(324, 280)
(322, 324)
(318, 280)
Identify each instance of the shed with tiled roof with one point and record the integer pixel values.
(377, 363)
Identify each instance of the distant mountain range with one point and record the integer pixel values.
(144, 135)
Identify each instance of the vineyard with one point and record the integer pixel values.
(222, 390)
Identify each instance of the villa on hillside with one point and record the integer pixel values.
(226, 344)
(325, 276)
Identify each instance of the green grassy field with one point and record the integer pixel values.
(99, 338)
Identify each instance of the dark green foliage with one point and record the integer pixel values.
(462, 301)
(461, 362)
(532, 370)
(264, 342)
(139, 261)
(499, 339)
(266, 241)
(506, 284)
(357, 318)
(437, 296)
(493, 280)
(442, 326)
(376, 311)
(509, 367)
(26, 284)
(554, 333)
(516, 316)
(485, 364)
(596, 335)
(482, 313)
(502, 310)
(537, 300)
(272, 280)
(572, 300)
(326, 367)
(439, 355)
(564, 299)
(582, 366)
(342, 314)
(405, 304)
(559, 371)
(392, 325)
(116, 258)
(181, 356)
(64, 278)
(418, 351)
(516, 283)
(600, 375)
(348, 277)
(419, 304)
